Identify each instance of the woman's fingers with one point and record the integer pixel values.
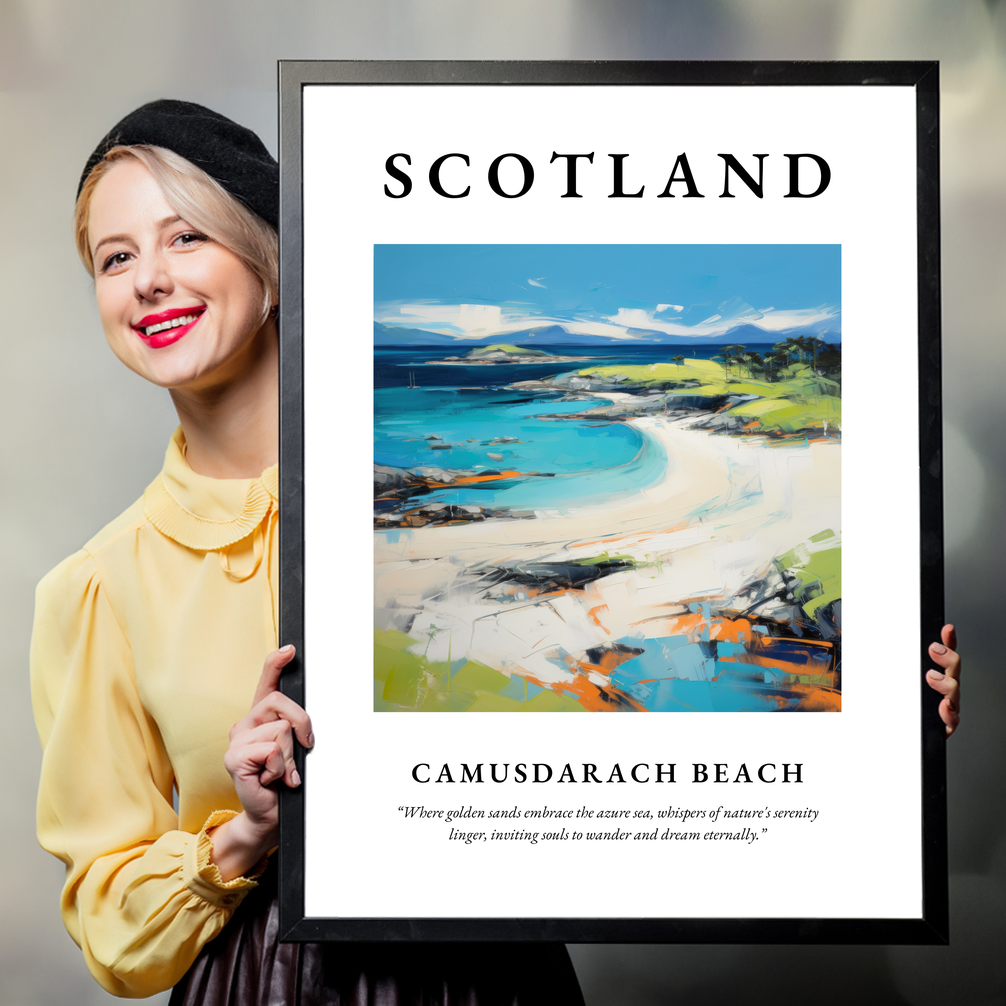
(270, 703)
(259, 760)
(947, 680)
(949, 709)
(261, 749)
(947, 686)
(947, 657)
(949, 636)
(271, 671)
(274, 766)
(278, 735)
(277, 706)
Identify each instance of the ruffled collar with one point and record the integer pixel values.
(203, 513)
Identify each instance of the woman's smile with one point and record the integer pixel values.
(167, 327)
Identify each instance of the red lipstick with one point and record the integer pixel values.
(166, 327)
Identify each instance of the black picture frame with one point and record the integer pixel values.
(932, 925)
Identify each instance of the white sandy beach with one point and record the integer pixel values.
(724, 509)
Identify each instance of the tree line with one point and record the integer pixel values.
(821, 357)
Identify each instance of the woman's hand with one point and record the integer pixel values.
(948, 681)
(260, 753)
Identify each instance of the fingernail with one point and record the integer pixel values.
(295, 777)
(310, 740)
(287, 649)
(936, 675)
(938, 648)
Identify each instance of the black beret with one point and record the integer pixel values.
(231, 154)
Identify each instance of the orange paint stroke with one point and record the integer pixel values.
(610, 661)
(819, 700)
(589, 695)
(675, 625)
(639, 536)
(463, 480)
(596, 699)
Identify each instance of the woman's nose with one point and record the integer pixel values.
(152, 277)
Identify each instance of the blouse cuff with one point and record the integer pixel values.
(202, 876)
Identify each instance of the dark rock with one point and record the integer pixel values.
(386, 478)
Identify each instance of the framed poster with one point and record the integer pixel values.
(583, 324)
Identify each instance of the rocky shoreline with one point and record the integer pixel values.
(699, 395)
(504, 353)
(712, 412)
(394, 488)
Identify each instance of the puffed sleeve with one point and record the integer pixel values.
(141, 898)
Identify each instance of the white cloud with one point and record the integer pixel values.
(477, 321)
(778, 321)
(450, 319)
(479, 317)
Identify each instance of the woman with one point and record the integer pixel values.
(149, 642)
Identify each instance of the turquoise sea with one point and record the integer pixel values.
(460, 415)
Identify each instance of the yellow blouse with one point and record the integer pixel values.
(147, 647)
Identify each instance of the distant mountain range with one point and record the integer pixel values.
(556, 335)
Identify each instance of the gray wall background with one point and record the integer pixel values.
(82, 436)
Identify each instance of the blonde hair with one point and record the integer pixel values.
(199, 200)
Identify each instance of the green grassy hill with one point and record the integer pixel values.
(799, 400)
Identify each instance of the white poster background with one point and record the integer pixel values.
(861, 858)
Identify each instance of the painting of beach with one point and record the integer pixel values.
(607, 478)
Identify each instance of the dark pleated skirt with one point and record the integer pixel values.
(246, 965)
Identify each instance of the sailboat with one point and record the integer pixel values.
(412, 379)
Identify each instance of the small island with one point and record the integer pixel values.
(504, 352)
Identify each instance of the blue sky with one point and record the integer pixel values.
(619, 292)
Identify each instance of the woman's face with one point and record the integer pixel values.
(177, 308)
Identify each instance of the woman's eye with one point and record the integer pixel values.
(114, 261)
(190, 238)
